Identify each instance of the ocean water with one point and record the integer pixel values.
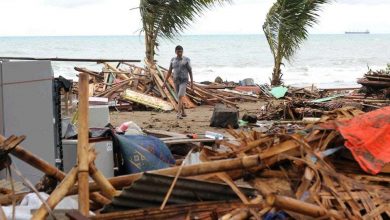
(323, 60)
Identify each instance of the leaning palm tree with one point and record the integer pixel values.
(286, 28)
(168, 18)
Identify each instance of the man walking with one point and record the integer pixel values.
(181, 68)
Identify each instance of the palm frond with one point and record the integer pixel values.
(168, 18)
(287, 23)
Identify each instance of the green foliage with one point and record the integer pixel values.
(287, 23)
(286, 27)
(168, 18)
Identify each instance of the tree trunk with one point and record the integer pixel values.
(149, 50)
(277, 73)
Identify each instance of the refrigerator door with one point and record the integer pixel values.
(27, 91)
(1, 102)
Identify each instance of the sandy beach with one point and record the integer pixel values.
(197, 121)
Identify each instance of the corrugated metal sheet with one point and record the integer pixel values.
(151, 189)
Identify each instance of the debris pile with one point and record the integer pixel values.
(308, 173)
(376, 84)
(311, 172)
(289, 103)
(327, 159)
(128, 86)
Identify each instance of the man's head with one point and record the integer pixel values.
(179, 51)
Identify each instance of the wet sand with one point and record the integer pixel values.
(197, 121)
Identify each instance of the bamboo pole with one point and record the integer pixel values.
(83, 145)
(107, 189)
(298, 206)
(36, 162)
(191, 170)
(58, 194)
(7, 199)
(49, 170)
(99, 199)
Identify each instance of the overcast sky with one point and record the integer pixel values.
(114, 17)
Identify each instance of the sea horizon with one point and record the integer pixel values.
(326, 60)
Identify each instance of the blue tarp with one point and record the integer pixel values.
(143, 153)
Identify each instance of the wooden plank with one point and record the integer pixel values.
(120, 74)
(159, 81)
(205, 93)
(160, 90)
(136, 81)
(114, 88)
(150, 101)
(161, 133)
(92, 73)
(185, 141)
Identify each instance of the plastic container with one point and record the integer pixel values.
(213, 135)
(129, 128)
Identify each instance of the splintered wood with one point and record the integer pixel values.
(146, 86)
(301, 174)
(308, 162)
(298, 175)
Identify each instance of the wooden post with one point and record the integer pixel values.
(83, 145)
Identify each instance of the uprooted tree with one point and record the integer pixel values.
(168, 18)
(286, 27)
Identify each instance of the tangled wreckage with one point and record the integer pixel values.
(307, 154)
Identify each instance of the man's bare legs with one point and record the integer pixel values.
(180, 108)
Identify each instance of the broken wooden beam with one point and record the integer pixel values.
(290, 204)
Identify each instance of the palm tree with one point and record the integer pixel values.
(168, 18)
(286, 28)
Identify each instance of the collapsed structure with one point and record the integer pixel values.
(333, 167)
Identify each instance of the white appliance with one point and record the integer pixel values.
(104, 160)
